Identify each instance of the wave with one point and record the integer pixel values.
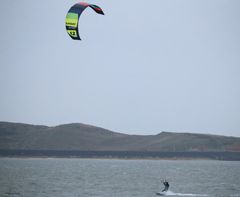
(170, 193)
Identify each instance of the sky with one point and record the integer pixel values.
(142, 68)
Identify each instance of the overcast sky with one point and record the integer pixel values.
(144, 67)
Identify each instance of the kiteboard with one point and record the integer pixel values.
(161, 193)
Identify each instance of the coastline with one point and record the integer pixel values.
(115, 158)
(124, 155)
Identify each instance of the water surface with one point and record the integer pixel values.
(117, 178)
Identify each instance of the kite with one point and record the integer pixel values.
(73, 15)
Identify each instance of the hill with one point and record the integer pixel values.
(82, 137)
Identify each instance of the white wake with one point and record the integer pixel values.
(169, 193)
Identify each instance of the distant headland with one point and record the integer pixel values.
(87, 141)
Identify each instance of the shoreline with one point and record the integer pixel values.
(124, 155)
(115, 158)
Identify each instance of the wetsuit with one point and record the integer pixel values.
(166, 186)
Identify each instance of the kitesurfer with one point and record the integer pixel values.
(166, 186)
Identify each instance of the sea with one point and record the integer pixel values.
(73, 177)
